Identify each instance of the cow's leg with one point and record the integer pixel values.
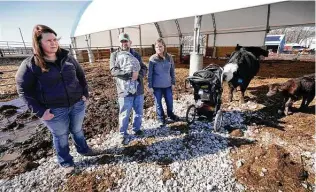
(309, 100)
(242, 98)
(288, 106)
(303, 104)
(230, 94)
(243, 88)
(281, 110)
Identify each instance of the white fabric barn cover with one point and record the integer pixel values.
(231, 22)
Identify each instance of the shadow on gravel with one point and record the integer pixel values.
(153, 148)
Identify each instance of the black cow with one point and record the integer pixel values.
(242, 66)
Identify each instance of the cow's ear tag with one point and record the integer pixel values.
(239, 80)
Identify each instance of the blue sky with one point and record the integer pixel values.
(61, 16)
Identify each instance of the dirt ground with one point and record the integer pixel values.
(7, 87)
(276, 154)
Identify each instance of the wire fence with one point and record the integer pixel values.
(86, 54)
(15, 52)
(15, 48)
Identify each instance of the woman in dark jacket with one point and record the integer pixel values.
(54, 87)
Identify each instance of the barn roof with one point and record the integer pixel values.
(227, 23)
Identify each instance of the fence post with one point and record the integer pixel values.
(90, 52)
(8, 48)
(23, 41)
(98, 54)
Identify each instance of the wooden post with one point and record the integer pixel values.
(267, 26)
(8, 48)
(206, 44)
(214, 43)
(111, 41)
(140, 41)
(98, 54)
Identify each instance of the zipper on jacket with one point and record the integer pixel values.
(43, 97)
(62, 78)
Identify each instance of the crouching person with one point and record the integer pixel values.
(53, 86)
(292, 90)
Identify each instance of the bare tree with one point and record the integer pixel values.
(295, 34)
(187, 42)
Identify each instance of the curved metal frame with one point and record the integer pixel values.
(158, 29)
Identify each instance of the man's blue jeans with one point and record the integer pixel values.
(167, 94)
(67, 119)
(126, 104)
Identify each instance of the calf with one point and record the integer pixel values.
(242, 66)
(294, 89)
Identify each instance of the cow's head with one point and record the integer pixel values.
(263, 52)
(273, 89)
(238, 47)
(257, 51)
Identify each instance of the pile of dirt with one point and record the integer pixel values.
(26, 116)
(19, 152)
(167, 174)
(101, 180)
(35, 148)
(7, 110)
(11, 126)
(9, 68)
(270, 169)
(102, 111)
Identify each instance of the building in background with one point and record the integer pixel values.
(275, 43)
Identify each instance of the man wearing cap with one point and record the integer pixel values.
(128, 101)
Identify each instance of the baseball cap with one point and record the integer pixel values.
(124, 36)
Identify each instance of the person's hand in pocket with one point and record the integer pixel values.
(47, 115)
(85, 99)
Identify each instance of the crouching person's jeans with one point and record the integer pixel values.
(67, 119)
(126, 104)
